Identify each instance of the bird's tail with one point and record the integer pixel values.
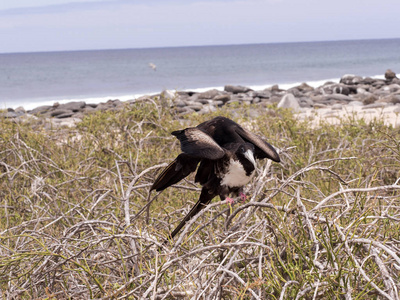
(205, 198)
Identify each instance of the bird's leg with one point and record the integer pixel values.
(243, 197)
(229, 201)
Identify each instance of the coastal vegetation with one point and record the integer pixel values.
(77, 220)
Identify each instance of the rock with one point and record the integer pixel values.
(69, 122)
(289, 101)
(194, 97)
(9, 114)
(20, 110)
(245, 98)
(394, 99)
(236, 89)
(295, 92)
(65, 115)
(341, 89)
(368, 80)
(167, 95)
(378, 83)
(338, 97)
(392, 88)
(351, 79)
(185, 93)
(26, 118)
(74, 106)
(89, 109)
(265, 94)
(102, 107)
(59, 111)
(337, 107)
(319, 105)
(369, 99)
(355, 103)
(195, 106)
(203, 101)
(275, 99)
(218, 103)
(304, 87)
(390, 75)
(116, 103)
(185, 110)
(207, 109)
(179, 103)
(374, 105)
(223, 97)
(307, 102)
(40, 109)
(274, 88)
(209, 94)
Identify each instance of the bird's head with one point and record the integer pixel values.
(246, 152)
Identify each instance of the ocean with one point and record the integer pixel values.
(33, 79)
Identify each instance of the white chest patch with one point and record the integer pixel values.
(236, 175)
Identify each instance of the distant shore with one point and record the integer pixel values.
(352, 96)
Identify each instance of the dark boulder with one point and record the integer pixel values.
(57, 112)
(41, 109)
(65, 115)
(209, 94)
(304, 87)
(351, 79)
(223, 97)
(236, 89)
(74, 106)
(390, 75)
(341, 89)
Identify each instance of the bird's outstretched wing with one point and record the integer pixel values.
(223, 130)
(262, 148)
(181, 167)
(197, 143)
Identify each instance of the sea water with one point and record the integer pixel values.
(33, 79)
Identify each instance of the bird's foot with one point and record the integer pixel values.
(229, 201)
(243, 197)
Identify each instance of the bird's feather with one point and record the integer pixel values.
(196, 143)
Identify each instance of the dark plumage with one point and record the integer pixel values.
(225, 153)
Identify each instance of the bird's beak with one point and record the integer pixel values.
(250, 156)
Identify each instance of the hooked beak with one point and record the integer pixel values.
(250, 156)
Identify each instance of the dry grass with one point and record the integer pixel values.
(323, 224)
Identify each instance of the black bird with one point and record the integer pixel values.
(226, 154)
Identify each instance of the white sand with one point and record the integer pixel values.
(390, 115)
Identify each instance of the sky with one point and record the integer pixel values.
(63, 25)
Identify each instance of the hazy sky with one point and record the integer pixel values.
(48, 25)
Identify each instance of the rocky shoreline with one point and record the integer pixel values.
(354, 95)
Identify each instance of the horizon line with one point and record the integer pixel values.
(195, 46)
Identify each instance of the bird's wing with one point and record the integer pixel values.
(205, 198)
(181, 167)
(263, 149)
(197, 143)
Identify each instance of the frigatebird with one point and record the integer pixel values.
(225, 154)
